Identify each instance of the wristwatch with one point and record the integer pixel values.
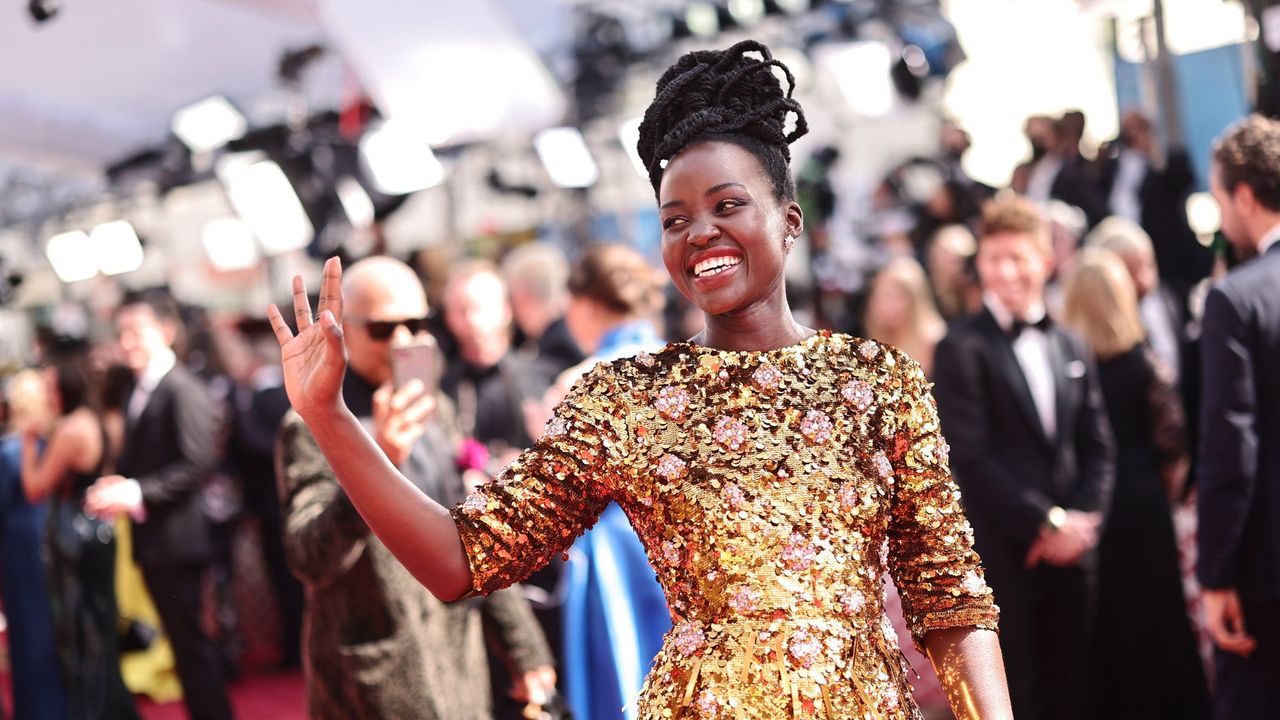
(1056, 518)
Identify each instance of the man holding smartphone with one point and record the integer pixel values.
(376, 643)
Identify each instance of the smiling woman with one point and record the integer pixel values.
(773, 473)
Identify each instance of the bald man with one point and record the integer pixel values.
(376, 644)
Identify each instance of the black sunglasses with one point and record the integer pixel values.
(383, 329)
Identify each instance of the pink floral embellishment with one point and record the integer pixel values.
(644, 359)
(799, 554)
(868, 349)
(672, 402)
(689, 638)
(848, 496)
(858, 393)
(943, 451)
(852, 602)
(670, 553)
(805, 648)
(730, 432)
(816, 427)
(883, 466)
(671, 467)
(734, 498)
(707, 703)
(556, 427)
(474, 503)
(745, 599)
(972, 584)
(767, 377)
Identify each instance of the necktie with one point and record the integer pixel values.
(1043, 324)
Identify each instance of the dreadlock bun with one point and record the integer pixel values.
(724, 95)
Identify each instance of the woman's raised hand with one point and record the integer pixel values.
(316, 359)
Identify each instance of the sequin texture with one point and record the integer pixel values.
(792, 481)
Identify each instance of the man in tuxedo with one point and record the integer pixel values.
(1239, 495)
(1033, 454)
(169, 449)
(1056, 170)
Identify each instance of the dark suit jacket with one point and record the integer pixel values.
(1182, 260)
(170, 449)
(1009, 472)
(1239, 496)
(376, 643)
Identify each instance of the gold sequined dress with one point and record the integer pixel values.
(771, 490)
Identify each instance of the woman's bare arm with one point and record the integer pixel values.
(417, 530)
(42, 473)
(971, 668)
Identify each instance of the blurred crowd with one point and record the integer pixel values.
(169, 432)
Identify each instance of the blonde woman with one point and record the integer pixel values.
(900, 311)
(1145, 656)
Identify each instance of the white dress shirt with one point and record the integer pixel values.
(161, 363)
(1043, 175)
(1031, 347)
(1131, 170)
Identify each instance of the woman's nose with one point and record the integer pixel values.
(702, 233)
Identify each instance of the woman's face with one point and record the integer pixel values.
(889, 304)
(722, 228)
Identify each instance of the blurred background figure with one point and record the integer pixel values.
(81, 546)
(1239, 486)
(536, 274)
(38, 690)
(950, 264)
(1057, 170)
(615, 613)
(376, 643)
(1032, 451)
(483, 377)
(1149, 185)
(1145, 657)
(900, 311)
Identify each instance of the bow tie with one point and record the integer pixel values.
(1043, 324)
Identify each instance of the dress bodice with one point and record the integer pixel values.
(772, 490)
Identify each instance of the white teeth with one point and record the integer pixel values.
(715, 265)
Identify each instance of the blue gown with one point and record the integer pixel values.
(615, 613)
(38, 693)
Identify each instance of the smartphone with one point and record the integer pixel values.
(415, 361)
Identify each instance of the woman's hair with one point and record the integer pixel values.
(620, 279)
(1102, 305)
(75, 390)
(726, 95)
(922, 315)
(116, 386)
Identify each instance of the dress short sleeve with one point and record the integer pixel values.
(931, 555)
(551, 493)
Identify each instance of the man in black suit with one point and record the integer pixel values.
(169, 449)
(1239, 496)
(1140, 185)
(1032, 451)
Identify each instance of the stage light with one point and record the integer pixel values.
(116, 247)
(399, 160)
(229, 244)
(861, 69)
(263, 197)
(746, 12)
(1204, 216)
(629, 136)
(701, 19)
(208, 124)
(72, 257)
(356, 203)
(564, 154)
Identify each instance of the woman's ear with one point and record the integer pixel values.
(793, 216)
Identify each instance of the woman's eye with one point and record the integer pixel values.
(670, 223)
(727, 205)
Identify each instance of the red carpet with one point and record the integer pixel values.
(279, 696)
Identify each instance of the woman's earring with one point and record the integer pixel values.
(789, 243)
